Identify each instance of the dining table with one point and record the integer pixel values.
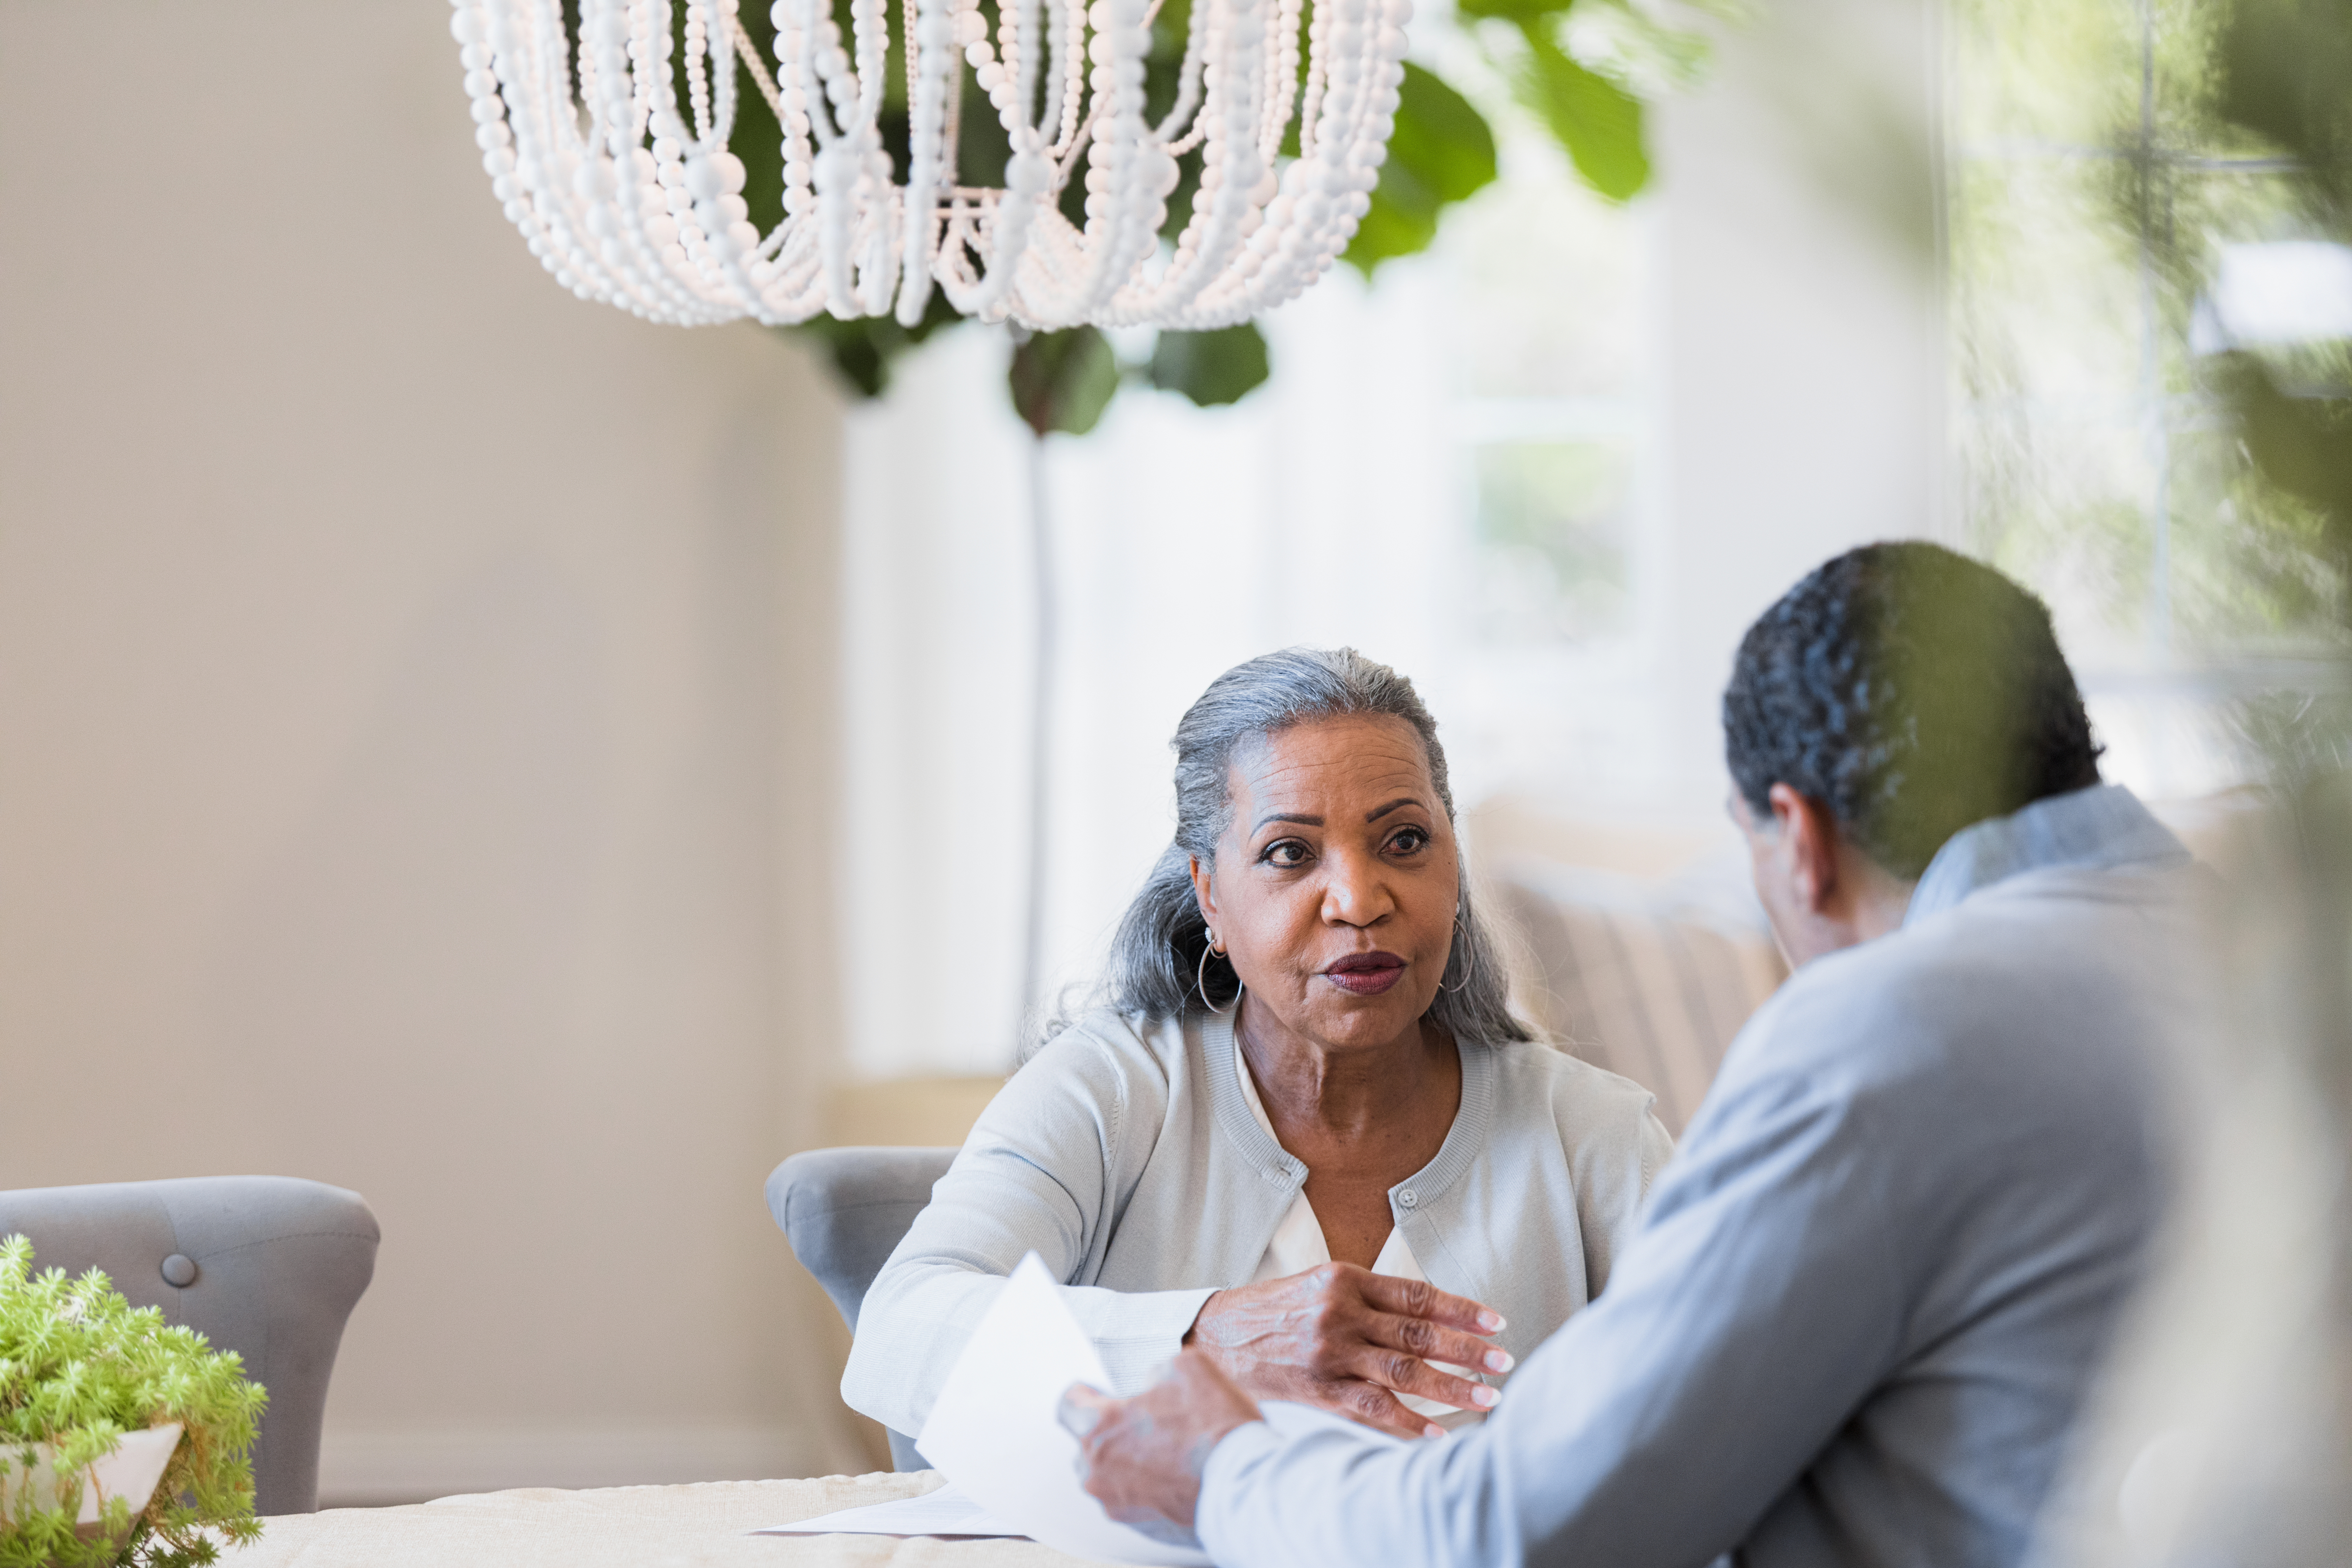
(705, 1524)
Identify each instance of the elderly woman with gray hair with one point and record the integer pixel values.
(1299, 1127)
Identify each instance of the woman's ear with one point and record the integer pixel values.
(1204, 893)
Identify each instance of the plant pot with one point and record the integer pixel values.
(130, 1472)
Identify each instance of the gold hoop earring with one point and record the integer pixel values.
(1200, 980)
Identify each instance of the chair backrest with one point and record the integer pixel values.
(844, 1211)
(268, 1266)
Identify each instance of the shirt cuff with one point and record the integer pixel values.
(1138, 1332)
(1216, 1518)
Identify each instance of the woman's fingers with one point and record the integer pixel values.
(1376, 1407)
(1351, 1340)
(1420, 1298)
(1408, 1374)
(1426, 1340)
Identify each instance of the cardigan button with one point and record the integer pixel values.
(1406, 1199)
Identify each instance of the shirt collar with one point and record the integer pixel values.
(2100, 829)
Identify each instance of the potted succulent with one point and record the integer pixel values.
(122, 1439)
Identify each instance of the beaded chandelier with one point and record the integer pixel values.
(629, 198)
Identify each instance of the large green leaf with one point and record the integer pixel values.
(2287, 74)
(2302, 444)
(1442, 152)
(1210, 368)
(1510, 10)
(1598, 122)
(1063, 381)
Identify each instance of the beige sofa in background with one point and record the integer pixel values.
(1641, 947)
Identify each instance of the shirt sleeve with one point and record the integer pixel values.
(1614, 1175)
(1040, 1172)
(1758, 1307)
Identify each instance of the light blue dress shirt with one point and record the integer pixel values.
(1870, 1290)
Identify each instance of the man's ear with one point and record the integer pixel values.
(1807, 837)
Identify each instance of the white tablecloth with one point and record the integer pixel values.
(698, 1526)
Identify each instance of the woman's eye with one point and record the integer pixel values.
(1409, 840)
(1286, 853)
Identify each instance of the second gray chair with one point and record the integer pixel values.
(844, 1211)
(265, 1265)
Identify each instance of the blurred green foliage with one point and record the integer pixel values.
(2285, 77)
(1220, 365)
(862, 348)
(1063, 381)
(1442, 153)
(2187, 498)
(1599, 121)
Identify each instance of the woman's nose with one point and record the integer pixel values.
(1354, 891)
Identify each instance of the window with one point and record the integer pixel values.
(1553, 439)
(1543, 274)
(2091, 195)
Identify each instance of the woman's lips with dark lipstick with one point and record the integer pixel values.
(1366, 974)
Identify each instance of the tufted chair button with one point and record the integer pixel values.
(179, 1270)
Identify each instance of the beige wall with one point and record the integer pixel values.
(416, 740)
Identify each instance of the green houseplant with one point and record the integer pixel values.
(79, 1369)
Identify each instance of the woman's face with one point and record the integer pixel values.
(1334, 884)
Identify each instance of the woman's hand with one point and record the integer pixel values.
(1351, 1340)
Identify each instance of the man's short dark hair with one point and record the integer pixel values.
(1912, 691)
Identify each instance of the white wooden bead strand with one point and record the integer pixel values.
(629, 198)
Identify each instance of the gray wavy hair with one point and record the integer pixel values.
(1157, 951)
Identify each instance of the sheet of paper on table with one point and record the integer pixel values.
(996, 1434)
(946, 1511)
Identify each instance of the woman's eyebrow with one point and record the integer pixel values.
(1383, 811)
(1285, 816)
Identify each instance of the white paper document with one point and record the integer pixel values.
(994, 1431)
(946, 1511)
(1012, 1466)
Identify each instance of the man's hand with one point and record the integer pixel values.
(1349, 1340)
(1143, 1457)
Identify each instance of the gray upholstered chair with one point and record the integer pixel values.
(265, 1265)
(844, 1211)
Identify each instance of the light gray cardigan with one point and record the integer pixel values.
(1126, 1157)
